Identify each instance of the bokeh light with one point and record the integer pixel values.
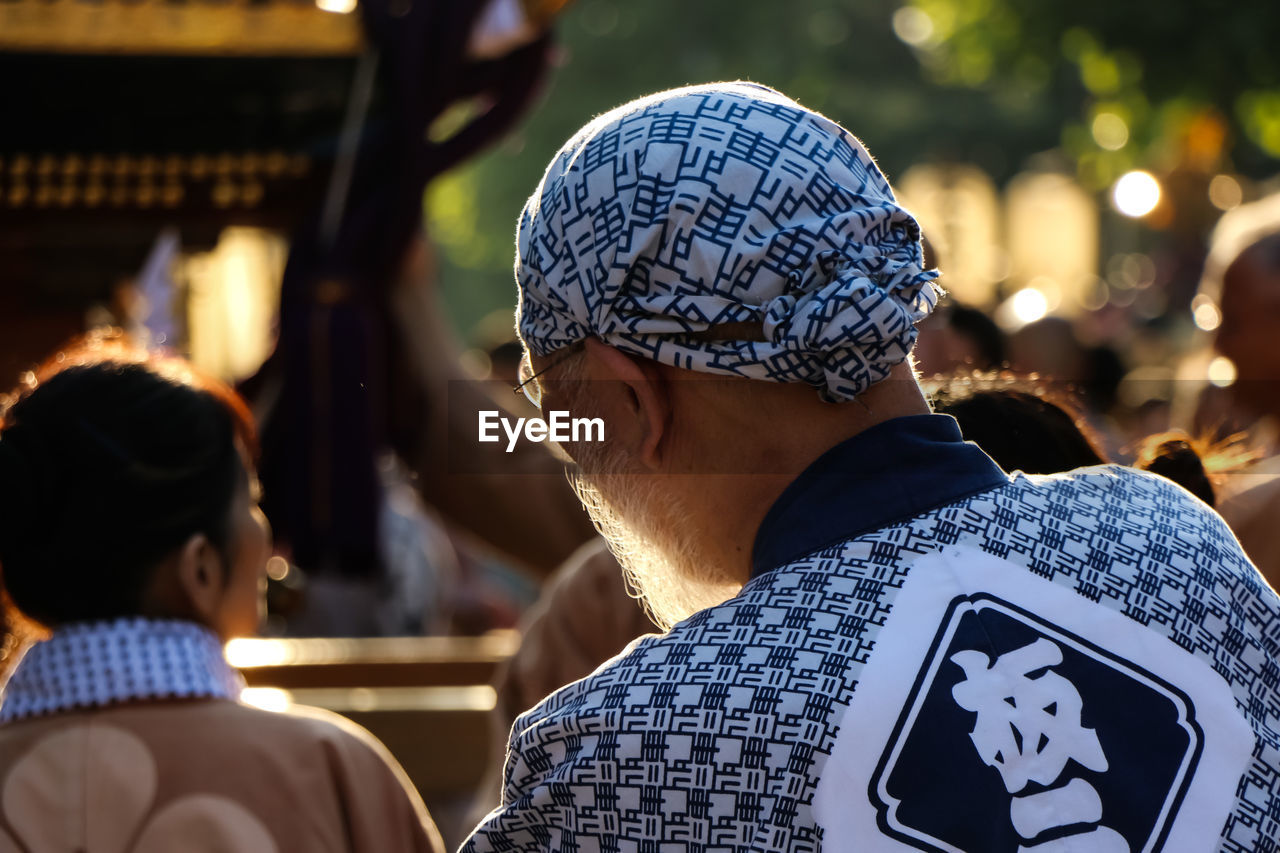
(1029, 305)
(1110, 131)
(1136, 193)
(341, 7)
(1222, 371)
(1205, 313)
(267, 698)
(277, 568)
(913, 26)
(1225, 192)
(254, 651)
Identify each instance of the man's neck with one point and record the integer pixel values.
(743, 451)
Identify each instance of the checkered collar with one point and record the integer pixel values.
(95, 664)
(890, 473)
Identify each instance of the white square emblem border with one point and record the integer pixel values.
(842, 803)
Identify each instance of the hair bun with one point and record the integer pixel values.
(1174, 456)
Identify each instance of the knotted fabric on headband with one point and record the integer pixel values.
(717, 204)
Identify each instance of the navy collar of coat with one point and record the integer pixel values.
(887, 474)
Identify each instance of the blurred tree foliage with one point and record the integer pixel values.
(1192, 83)
(1108, 84)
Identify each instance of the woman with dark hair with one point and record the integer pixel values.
(1031, 426)
(1022, 424)
(130, 535)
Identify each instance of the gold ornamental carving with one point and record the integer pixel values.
(160, 27)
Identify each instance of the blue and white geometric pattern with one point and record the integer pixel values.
(716, 736)
(96, 664)
(723, 204)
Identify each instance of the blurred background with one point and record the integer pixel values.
(317, 201)
(1067, 160)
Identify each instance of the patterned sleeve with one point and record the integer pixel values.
(537, 792)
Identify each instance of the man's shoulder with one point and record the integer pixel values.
(795, 622)
(789, 641)
(716, 660)
(1112, 482)
(1114, 490)
(727, 713)
(765, 669)
(625, 682)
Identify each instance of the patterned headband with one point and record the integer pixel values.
(724, 204)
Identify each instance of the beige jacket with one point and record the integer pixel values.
(203, 775)
(125, 737)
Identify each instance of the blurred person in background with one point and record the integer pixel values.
(1242, 282)
(1051, 349)
(130, 537)
(851, 592)
(957, 337)
(1178, 457)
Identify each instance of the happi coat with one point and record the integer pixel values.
(933, 655)
(126, 738)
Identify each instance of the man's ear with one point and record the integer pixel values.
(201, 577)
(643, 410)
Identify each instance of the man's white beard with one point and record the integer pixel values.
(651, 535)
